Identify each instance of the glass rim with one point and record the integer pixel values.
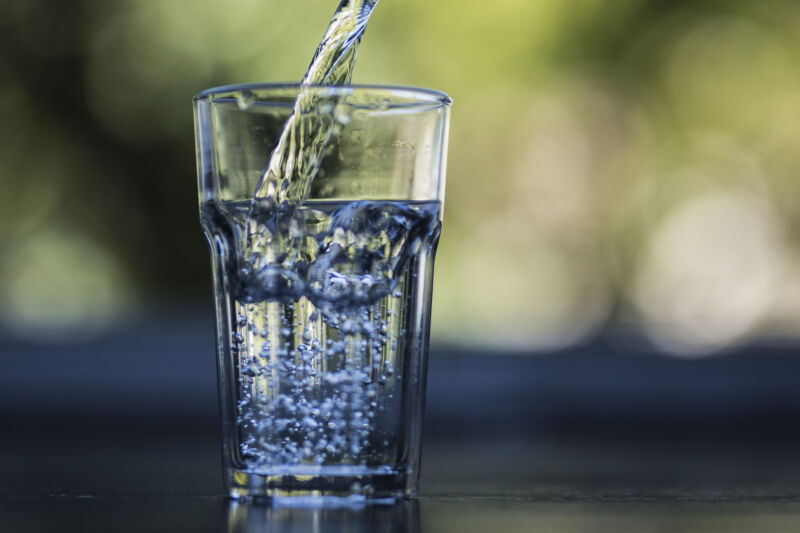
(421, 95)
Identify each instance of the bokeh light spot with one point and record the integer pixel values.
(59, 284)
(710, 272)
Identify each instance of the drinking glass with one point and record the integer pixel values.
(322, 287)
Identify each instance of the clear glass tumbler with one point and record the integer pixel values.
(322, 288)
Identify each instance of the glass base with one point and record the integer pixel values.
(327, 485)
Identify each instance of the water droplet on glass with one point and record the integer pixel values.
(245, 99)
(342, 114)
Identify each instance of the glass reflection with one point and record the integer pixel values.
(253, 518)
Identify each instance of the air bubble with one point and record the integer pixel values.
(252, 370)
(356, 187)
(327, 190)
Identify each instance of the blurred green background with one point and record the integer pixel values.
(628, 166)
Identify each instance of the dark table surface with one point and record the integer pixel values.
(120, 434)
(91, 478)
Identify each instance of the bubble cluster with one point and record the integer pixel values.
(312, 387)
(317, 327)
